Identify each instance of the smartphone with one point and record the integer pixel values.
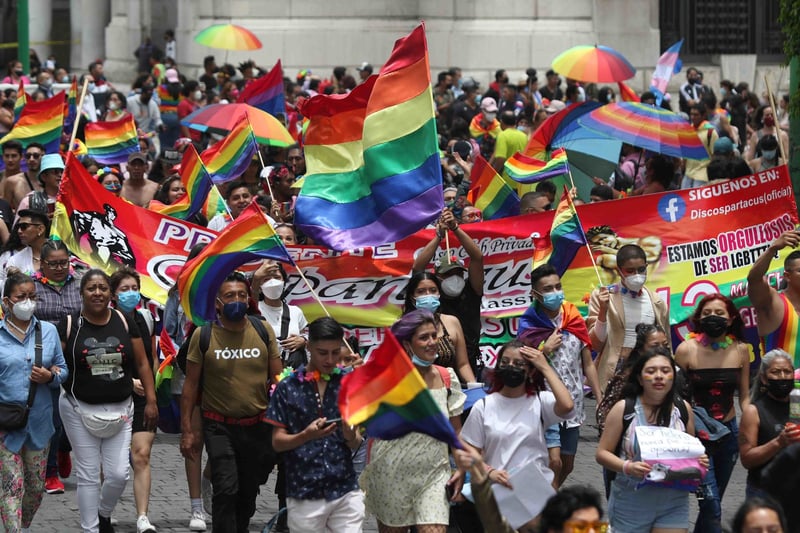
(333, 421)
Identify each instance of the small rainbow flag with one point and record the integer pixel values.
(626, 93)
(167, 104)
(110, 143)
(196, 180)
(164, 372)
(267, 92)
(490, 193)
(526, 169)
(249, 237)
(229, 158)
(40, 122)
(566, 237)
(215, 204)
(391, 399)
(22, 99)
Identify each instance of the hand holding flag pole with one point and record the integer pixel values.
(261, 159)
(78, 112)
(777, 129)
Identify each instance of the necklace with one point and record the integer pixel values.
(703, 339)
(23, 332)
(304, 375)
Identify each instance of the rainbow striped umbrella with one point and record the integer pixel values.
(228, 37)
(648, 127)
(598, 64)
(222, 118)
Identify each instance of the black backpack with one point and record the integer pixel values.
(205, 340)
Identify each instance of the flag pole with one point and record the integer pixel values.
(78, 113)
(260, 158)
(777, 126)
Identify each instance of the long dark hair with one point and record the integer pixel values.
(409, 304)
(534, 383)
(643, 332)
(634, 389)
(737, 323)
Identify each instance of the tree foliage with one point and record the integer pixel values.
(789, 20)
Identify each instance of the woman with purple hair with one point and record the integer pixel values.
(407, 480)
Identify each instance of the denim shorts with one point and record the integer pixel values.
(559, 436)
(632, 510)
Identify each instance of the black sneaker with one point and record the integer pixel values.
(105, 524)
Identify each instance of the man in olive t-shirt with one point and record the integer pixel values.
(234, 376)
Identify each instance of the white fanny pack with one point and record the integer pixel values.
(103, 420)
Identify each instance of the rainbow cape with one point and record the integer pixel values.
(110, 143)
(167, 104)
(566, 237)
(490, 193)
(391, 399)
(372, 156)
(527, 169)
(40, 122)
(229, 158)
(22, 99)
(250, 237)
(267, 92)
(198, 184)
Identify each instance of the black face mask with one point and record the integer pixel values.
(780, 388)
(511, 375)
(714, 326)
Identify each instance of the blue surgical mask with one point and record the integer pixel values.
(234, 311)
(421, 362)
(128, 300)
(768, 154)
(429, 302)
(552, 300)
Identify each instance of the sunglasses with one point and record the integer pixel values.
(33, 156)
(57, 264)
(25, 225)
(582, 526)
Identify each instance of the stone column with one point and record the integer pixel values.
(41, 22)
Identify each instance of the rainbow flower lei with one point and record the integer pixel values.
(39, 276)
(705, 341)
(304, 375)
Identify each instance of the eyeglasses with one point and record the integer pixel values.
(32, 155)
(516, 363)
(56, 264)
(582, 526)
(22, 226)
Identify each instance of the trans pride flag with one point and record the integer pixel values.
(668, 64)
(250, 237)
(391, 399)
(110, 143)
(372, 156)
(266, 93)
(566, 237)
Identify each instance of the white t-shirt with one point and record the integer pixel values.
(273, 315)
(510, 431)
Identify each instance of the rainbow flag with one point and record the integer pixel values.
(391, 399)
(110, 143)
(167, 104)
(372, 156)
(165, 368)
(71, 109)
(490, 193)
(247, 238)
(215, 204)
(229, 158)
(626, 93)
(22, 99)
(40, 122)
(566, 237)
(526, 169)
(267, 92)
(198, 184)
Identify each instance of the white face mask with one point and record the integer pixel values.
(198, 95)
(489, 116)
(24, 310)
(635, 282)
(272, 289)
(453, 285)
(113, 106)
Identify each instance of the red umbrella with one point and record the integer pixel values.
(221, 118)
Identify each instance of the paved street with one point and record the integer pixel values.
(169, 503)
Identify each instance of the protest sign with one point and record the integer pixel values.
(673, 456)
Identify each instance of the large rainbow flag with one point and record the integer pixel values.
(110, 143)
(527, 169)
(229, 158)
(267, 92)
(198, 184)
(40, 122)
(372, 156)
(248, 238)
(565, 239)
(490, 193)
(391, 399)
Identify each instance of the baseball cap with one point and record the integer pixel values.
(443, 266)
(723, 146)
(469, 84)
(489, 104)
(137, 156)
(365, 67)
(172, 75)
(555, 106)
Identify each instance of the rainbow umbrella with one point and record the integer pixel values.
(221, 118)
(648, 127)
(228, 37)
(598, 64)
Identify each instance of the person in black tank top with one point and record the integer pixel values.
(764, 432)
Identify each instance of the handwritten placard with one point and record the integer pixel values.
(657, 442)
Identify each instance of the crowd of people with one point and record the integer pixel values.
(89, 339)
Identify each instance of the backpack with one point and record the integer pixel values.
(627, 417)
(205, 340)
(294, 358)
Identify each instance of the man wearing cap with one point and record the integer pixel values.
(460, 296)
(16, 187)
(50, 171)
(552, 90)
(485, 127)
(364, 71)
(466, 107)
(136, 188)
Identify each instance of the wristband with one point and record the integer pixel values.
(625, 467)
(489, 472)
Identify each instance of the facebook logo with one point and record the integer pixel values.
(671, 208)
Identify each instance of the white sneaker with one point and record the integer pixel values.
(198, 521)
(143, 525)
(207, 492)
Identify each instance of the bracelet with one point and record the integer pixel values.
(440, 233)
(625, 467)
(488, 473)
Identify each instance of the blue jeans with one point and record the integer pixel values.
(720, 468)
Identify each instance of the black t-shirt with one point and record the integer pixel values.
(467, 308)
(100, 358)
(144, 333)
